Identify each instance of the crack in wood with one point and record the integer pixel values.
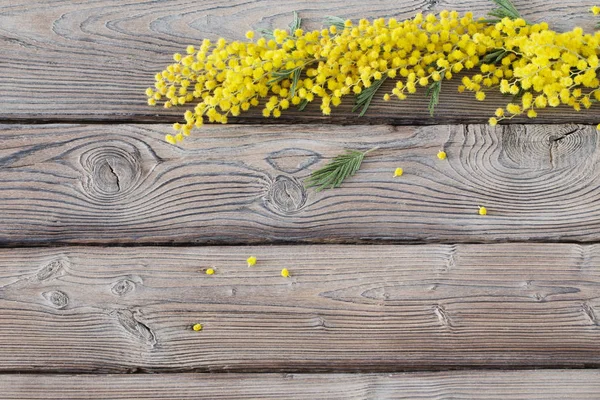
(139, 330)
(442, 316)
(591, 314)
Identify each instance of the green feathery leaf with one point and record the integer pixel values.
(364, 98)
(433, 92)
(278, 76)
(494, 56)
(337, 170)
(295, 79)
(302, 105)
(267, 34)
(506, 9)
(295, 24)
(335, 21)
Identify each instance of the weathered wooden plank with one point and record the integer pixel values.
(79, 60)
(241, 184)
(464, 385)
(345, 308)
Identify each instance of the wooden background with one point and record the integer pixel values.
(399, 289)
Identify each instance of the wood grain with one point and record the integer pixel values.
(242, 184)
(345, 308)
(464, 385)
(91, 61)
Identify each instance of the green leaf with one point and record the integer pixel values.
(364, 98)
(295, 24)
(295, 79)
(494, 56)
(267, 34)
(433, 92)
(302, 105)
(337, 170)
(506, 9)
(278, 76)
(335, 21)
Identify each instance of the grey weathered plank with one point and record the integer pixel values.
(464, 385)
(241, 184)
(92, 60)
(345, 308)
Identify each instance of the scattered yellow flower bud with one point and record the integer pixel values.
(197, 327)
(442, 155)
(386, 97)
(493, 121)
(250, 35)
(170, 139)
(595, 10)
(482, 211)
(251, 261)
(285, 273)
(398, 172)
(210, 271)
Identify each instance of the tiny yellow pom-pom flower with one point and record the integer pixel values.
(170, 139)
(210, 271)
(250, 35)
(493, 121)
(386, 97)
(442, 155)
(398, 172)
(197, 327)
(285, 273)
(595, 10)
(177, 57)
(251, 261)
(598, 127)
(482, 211)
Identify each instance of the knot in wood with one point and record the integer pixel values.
(57, 298)
(285, 195)
(292, 160)
(112, 171)
(122, 287)
(50, 270)
(548, 146)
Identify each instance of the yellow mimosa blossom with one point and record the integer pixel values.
(537, 66)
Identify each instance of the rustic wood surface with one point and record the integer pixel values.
(243, 184)
(344, 308)
(463, 385)
(87, 178)
(91, 61)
